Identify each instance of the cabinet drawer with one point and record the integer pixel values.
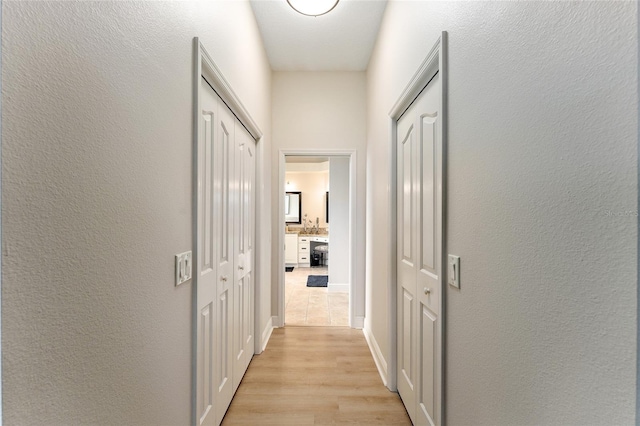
(303, 258)
(304, 240)
(304, 249)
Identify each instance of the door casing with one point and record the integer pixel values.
(435, 62)
(356, 290)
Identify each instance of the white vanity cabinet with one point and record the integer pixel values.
(304, 252)
(291, 249)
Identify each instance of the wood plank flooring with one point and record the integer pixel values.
(315, 376)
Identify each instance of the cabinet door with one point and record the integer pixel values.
(291, 249)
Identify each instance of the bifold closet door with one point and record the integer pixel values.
(245, 219)
(225, 184)
(419, 216)
(213, 369)
(225, 233)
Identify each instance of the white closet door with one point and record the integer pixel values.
(225, 246)
(224, 185)
(206, 264)
(244, 278)
(407, 262)
(430, 175)
(420, 172)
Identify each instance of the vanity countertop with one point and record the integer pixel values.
(306, 234)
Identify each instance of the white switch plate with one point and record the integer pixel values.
(183, 267)
(454, 271)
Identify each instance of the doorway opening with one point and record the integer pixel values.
(317, 203)
(316, 289)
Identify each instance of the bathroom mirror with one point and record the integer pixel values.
(293, 207)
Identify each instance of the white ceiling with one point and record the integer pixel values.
(341, 40)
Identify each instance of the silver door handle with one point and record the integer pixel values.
(427, 291)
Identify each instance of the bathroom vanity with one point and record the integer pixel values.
(299, 248)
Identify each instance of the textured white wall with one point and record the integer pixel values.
(542, 168)
(316, 111)
(97, 152)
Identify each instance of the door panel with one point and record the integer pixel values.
(407, 357)
(407, 147)
(206, 291)
(225, 226)
(427, 182)
(408, 351)
(419, 213)
(426, 398)
(245, 167)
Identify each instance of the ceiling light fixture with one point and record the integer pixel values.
(313, 7)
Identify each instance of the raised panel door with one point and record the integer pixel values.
(244, 279)
(207, 280)
(419, 218)
(407, 300)
(224, 182)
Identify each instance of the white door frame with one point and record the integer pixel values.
(356, 294)
(205, 66)
(435, 62)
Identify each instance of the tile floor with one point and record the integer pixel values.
(313, 305)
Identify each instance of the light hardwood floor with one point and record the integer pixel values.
(313, 305)
(315, 376)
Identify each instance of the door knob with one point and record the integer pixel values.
(241, 268)
(223, 278)
(427, 291)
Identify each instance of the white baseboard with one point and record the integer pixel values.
(331, 287)
(266, 334)
(358, 322)
(377, 355)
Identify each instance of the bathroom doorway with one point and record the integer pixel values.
(317, 212)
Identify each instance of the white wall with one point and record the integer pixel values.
(542, 161)
(97, 193)
(322, 111)
(339, 238)
(313, 186)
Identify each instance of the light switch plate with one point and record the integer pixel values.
(183, 267)
(453, 270)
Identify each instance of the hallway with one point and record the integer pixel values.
(101, 123)
(312, 376)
